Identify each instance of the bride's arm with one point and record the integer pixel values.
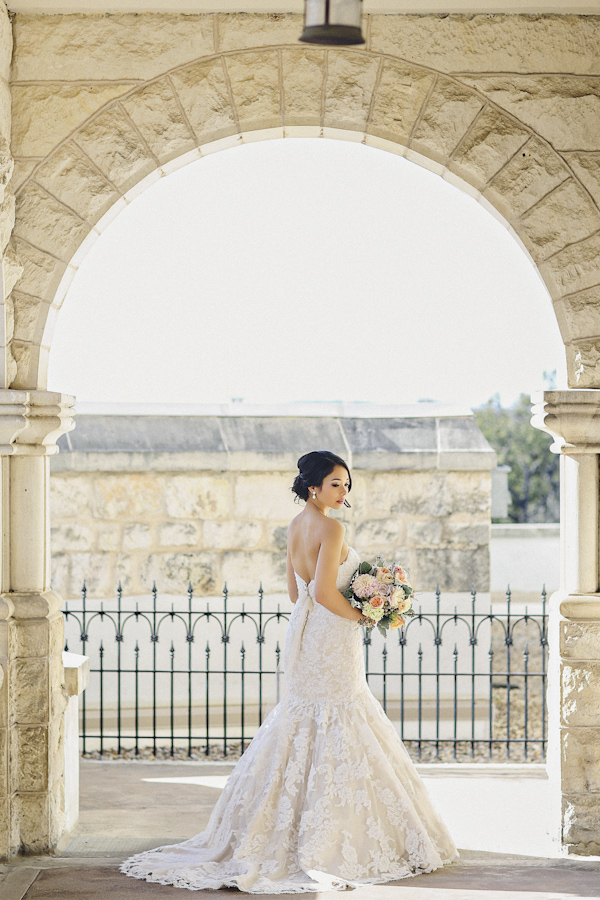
(328, 563)
(291, 579)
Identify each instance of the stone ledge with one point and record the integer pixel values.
(77, 672)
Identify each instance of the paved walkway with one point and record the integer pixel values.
(128, 807)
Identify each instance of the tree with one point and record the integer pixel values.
(533, 480)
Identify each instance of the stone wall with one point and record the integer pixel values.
(505, 107)
(174, 516)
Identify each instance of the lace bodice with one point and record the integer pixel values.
(322, 655)
(326, 795)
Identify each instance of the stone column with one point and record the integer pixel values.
(32, 695)
(573, 419)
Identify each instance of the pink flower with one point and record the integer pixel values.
(401, 574)
(364, 586)
(384, 575)
(377, 601)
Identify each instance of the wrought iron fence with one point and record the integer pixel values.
(462, 680)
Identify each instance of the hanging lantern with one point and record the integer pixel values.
(332, 22)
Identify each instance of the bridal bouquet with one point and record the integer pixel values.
(382, 593)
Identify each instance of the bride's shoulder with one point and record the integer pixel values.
(332, 528)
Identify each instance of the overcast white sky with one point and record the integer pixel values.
(304, 270)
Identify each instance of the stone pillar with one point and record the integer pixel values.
(573, 419)
(32, 695)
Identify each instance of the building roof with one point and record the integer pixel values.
(142, 442)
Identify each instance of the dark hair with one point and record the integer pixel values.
(313, 468)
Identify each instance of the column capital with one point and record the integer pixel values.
(31, 422)
(571, 417)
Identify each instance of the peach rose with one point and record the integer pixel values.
(396, 622)
(377, 601)
(384, 575)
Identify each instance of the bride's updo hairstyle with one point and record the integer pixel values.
(313, 468)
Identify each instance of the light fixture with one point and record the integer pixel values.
(332, 22)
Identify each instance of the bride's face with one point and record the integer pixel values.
(334, 489)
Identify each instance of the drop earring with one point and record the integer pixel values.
(314, 495)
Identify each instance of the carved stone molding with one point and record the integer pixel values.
(32, 421)
(571, 417)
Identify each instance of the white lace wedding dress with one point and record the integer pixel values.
(326, 795)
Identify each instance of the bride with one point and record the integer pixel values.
(326, 796)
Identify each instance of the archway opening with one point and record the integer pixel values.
(301, 258)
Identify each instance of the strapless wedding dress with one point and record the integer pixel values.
(325, 796)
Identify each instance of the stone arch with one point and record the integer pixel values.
(68, 192)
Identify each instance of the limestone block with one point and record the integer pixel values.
(45, 114)
(265, 496)
(231, 535)
(565, 216)
(96, 570)
(254, 79)
(564, 110)
(29, 317)
(60, 575)
(583, 364)
(32, 638)
(22, 170)
(48, 224)
(137, 537)
(108, 536)
(111, 141)
(29, 750)
(70, 495)
(489, 144)
(56, 750)
(29, 701)
(586, 167)
(380, 535)
(302, 86)
(430, 494)
(27, 359)
(41, 272)
(580, 693)
(72, 536)
(127, 573)
(580, 640)
(244, 572)
(31, 812)
(197, 496)
(180, 534)
(531, 174)
(204, 95)
(5, 112)
(498, 43)
(581, 823)
(172, 571)
(6, 44)
(278, 538)
(468, 534)
(56, 812)
(451, 569)
(7, 846)
(156, 112)
(579, 315)
(57, 692)
(127, 496)
(7, 218)
(579, 756)
(239, 31)
(424, 533)
(449, 112)
(4, 736)
(349, 89)
(575, 268)
(70, 177)
(107, 47)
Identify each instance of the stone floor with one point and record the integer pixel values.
(128, 807)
